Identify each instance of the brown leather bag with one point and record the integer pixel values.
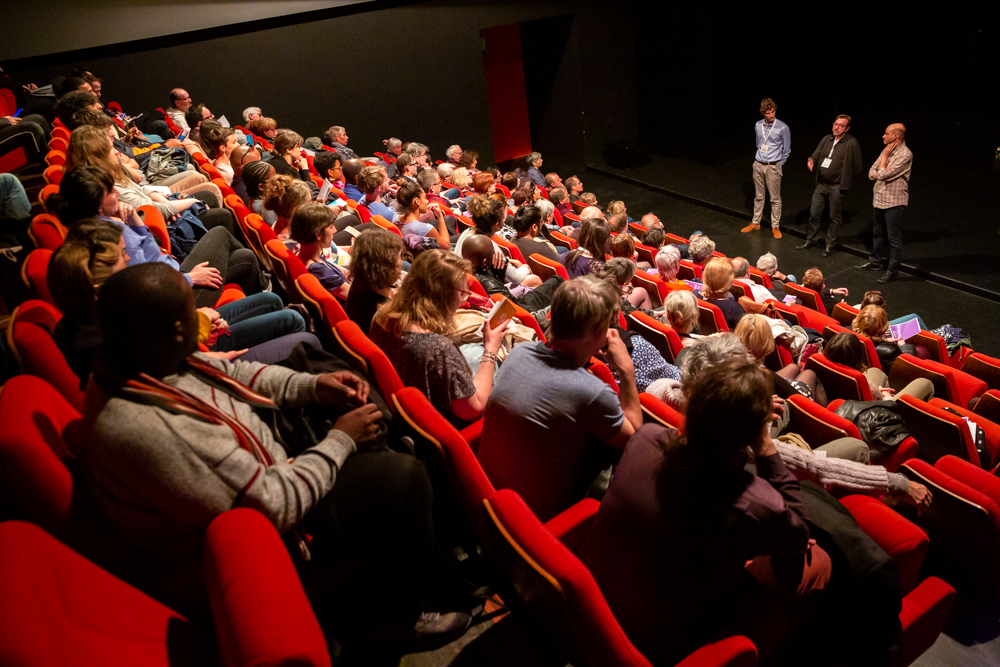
(765, 309)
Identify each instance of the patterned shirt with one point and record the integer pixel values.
(892, 184)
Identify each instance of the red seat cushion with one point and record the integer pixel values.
(899, 538)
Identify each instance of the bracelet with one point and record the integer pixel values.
(490, 357)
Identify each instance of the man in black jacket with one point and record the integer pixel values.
(480, 252)
(836, 161)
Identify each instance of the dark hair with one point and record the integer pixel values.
(85, 258)
(406, 195)
(193, 115)
(67, 84)
(81, 192)
(374, 259)
(486, 212)
(526, 217)
(285, 141)
(654, 238)
(509, 180)
(594, 235)
(72, 102)
(324, 162)
(254, 175)
(90, 116)
(847, 349)
(309, 220)
(214, 136)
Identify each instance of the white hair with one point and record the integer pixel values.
(393, 143)
(668, 262)
(701, 248)
(250, 110)
(546, 207)
(767, 263)
(709, 352)
(415, 149)
(451, 150)
(445, 170)
(534, 157)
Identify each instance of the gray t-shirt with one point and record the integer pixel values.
(541, 414)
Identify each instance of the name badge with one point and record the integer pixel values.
(763, 148)
(826, 163)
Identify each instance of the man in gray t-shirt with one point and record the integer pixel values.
(545, 407)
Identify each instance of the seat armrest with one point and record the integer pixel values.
(573, 525)
(925, 612)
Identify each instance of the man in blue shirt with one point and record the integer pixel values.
(774, 145)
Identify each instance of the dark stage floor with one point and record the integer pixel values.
(688, 196)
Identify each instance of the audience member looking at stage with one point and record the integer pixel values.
(283, 194)
(414, 209)
(847, 349)
(813, 279)
(479, 252)
(754, 331)
(717, 278)
(700, 249)
(288, 159)
(588, 258)
(374, 271)
(312, 225)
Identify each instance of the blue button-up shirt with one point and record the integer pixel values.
(779, 141)
(141, 246)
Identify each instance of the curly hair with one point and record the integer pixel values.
(486, 212)
(375, 259)
(428, 296)
(283, 194)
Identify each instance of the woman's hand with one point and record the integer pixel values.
(204, 275)
(887, 392)
(499, 260)
(516, 264)
(302, 163)
(493, 338)
(228, 356)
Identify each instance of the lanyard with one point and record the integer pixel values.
(832, 147)
(770, 132)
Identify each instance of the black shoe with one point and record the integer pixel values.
(829, 251)
(868, 266)
(888, 277)
(807, 244)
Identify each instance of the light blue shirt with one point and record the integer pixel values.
(778, 141)
(141, 246)
(378, 208)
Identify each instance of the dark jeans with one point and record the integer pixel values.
(223, 252)
(255, 320)
(278, 349)
(822, 195)
(378, 514)
(30, 135)
(541, 296)
(888, 226)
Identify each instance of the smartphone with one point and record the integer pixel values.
(183, 136)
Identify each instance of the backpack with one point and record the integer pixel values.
(166, 162)
(185, 232)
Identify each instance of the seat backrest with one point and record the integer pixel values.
(363, 213)
(760, 277)
(287, 267)
(578, 207)
(657, 289)
(468, 479)
(983, 367)
(53, 175)
(816, 424)
(558, 589)
(385, 224)
(898, 537)
(153, 219)
(838, 380)
(599, 369)
(560, 239)
(46, 231)
(844, 314)
(988, 405)
(688, 270)
(512, 250)
(224, 187)
(646, 253)
(376, 363)
(907, 368)
(656, 411)
(545, 268)
(936, 348)
(34, 273)
(809, 298)
(637, 229)
(32, 342)
(938, 431)
(58, 143)
(259, 233)
(324, 308)
(662, 337)
(55, 158)
(711, 318)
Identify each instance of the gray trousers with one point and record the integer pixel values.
(767, 175)
(821, 195)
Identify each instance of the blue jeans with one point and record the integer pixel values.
(255, 320)
(14, 202)
(906, 318)
(278, 349)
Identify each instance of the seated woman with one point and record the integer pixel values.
(682, 517)
(623, 246)
(469, 160)
(617, 207)
(288, 159)
(256, 328)
(755, 333)
(414, 209)
(91, 147)
(534, 174)
(460, 179)
(263, 128)
(668, 263)
(312, 226)
(488, 215)
(718, 278)
(873, 322)
(588, 257)
(283, 195)
(874, 297)
(217, 258)
(255, 176)
(847, 349)
(374, 271)
(624, 268)
(680, 313)
(483, 183)
(412, 329)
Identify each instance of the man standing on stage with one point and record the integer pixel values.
(891, 173)
(836, 161)
(774, 145)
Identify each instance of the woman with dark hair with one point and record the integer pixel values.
(376, 265)
(847, 349)
(589, 256)
(682, 517)
(240, 158)
(288, 158)
(312, 226)
(216, 259)
(256, 174)
(411, 201)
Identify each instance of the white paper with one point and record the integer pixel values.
(972, 428)
(325, 190)
(222, 121)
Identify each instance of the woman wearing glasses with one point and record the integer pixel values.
(413, 328)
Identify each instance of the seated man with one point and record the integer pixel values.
(374, 183)
(478, 250)
(534, 240)
(553, 180)
(546, 409)
(252, 113)
(575, 188)
(351, 170)
(813, 279)
(173, 439)
(560, 198)
(180, 102)
(650, 221)
(336, 138)
(759, 293)
(454, 155)
(768, 263)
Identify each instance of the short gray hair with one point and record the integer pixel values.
(590, 213)
(392, 143)
(711, 351)
(767, 263)
(683, 305)
(250, 110)
(701, 248)
(668, 262)
(545, 206)
(415, 149)
(451, 150)
(444, 170)
(336, 130)
(744, 267)
(534, 157)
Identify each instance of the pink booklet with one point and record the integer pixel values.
(905, 330)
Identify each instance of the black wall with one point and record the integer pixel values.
(413, 71)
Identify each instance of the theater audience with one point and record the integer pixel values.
(336, 138)
(374, 271)
(700, 249)
(312, 225)
(489, 214)
(180, 102)
(768, 263)
(374, 183)
(754, 331)
(563, 416)
(469, 160)
(412, 329)
(221, 142)
(263, 128)
(534, 174)
(560, 197)
(288, 159)
(238, 159)
(847, 349)
(478, 251)
(717, 278)
(875, 297)
(754, 290)
(256, 174)
(873, 322)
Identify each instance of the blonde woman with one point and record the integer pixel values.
(718, 278)
(283, 195)
(680, 312)
(874, 323)
(754, 331)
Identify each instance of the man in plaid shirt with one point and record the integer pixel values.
(891, 173)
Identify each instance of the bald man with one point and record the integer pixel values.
(891, 173)
(351, 170)
(478, 250)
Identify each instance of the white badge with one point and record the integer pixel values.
(763, 148)
(826, 163)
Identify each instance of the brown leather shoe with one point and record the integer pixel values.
(750, 228)
(777, 232)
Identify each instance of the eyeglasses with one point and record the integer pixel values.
(465, 294)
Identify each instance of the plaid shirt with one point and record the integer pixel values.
(892, 184)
